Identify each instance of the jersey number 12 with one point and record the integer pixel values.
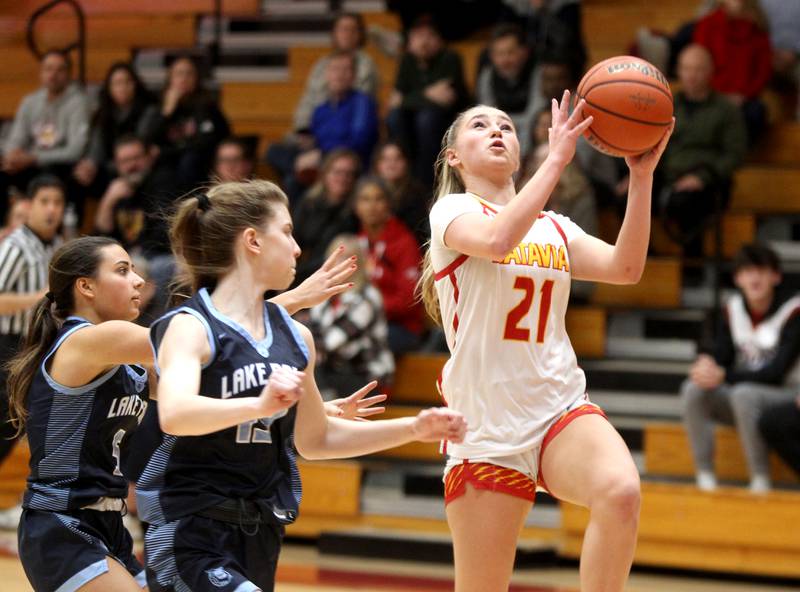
(513, 331)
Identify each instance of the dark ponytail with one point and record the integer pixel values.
(76, 259)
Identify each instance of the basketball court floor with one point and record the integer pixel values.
(302, 569)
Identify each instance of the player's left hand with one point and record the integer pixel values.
(646, 163)
(440, 423)
(356, 407)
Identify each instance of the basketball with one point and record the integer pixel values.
(631, 103)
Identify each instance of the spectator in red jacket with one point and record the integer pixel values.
(737, 36)
(393, 263)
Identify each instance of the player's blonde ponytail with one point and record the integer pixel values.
(447, 181)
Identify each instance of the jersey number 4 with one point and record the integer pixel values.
(513, 331)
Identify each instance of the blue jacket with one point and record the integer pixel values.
(351, 123)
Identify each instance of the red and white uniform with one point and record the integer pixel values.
(512, 370)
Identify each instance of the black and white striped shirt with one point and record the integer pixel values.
(24, 260)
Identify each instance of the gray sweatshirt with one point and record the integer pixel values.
(55, 132)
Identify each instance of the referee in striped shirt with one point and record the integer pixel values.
(24, 259)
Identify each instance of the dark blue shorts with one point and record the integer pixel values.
(203, 554)
(64, 551)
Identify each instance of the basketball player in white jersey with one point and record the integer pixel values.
(498, 274)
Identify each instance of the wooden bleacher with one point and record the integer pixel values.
(660, 287)
(610, 26)
(728, 530)
(766, 190)
(93, 8)
(667, 454)
(738, 229)
(111, 35)
(13, 473)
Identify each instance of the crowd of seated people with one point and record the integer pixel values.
(357, 169)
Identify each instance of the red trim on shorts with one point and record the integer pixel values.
(555, 429)
(488, 477)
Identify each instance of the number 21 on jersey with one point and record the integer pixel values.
(516, 315)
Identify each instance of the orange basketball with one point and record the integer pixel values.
(631, 103)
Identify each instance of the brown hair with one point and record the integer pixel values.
(204, 228)
(76, 259)
(447, 181)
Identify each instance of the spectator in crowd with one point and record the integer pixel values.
(508, 81)
(409, 197)
(233, 161)
(189, 125)
(348, 35)
(754, 364)
(17, 214)
(348, 118)
(24, 259)
(708, 144)
(428, 92)
(784, 24)
(49, 131)
(134, 210)
(780, 427)
(554, 76)
(737, 37)
(552, 27)
(325, 210)
(350, 333)
(393, 263)
(125, 107)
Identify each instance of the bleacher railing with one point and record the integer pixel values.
(79, 44)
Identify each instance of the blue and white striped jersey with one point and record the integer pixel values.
(76, 434)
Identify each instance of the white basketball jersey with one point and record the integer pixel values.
(756, 345)
(512, 368)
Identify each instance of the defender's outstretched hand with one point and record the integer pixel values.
(328, 281)
(356, 407)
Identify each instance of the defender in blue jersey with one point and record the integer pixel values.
(77, 393)
(79, 389)
(235, 376)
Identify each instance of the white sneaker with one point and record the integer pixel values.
(9, 518)
(706, 481)
(760, 484)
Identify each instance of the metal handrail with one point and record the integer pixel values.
(80, 44)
